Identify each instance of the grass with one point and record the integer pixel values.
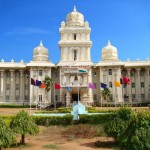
(50, 146)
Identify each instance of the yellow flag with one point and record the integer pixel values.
(117, 83)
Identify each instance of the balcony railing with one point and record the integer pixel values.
(74, 84)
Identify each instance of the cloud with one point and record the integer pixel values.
(27, 31)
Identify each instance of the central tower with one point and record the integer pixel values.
(75, 40)
(75, 45)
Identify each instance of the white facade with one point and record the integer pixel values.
(75, 46)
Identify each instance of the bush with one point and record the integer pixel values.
(130, 129)
(95, 119)
(53, 120)
(16, 106)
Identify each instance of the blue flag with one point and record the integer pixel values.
(68, 88)
(103, 85)
(38, 83)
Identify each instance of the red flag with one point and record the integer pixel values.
(126, 80)
(42, 86)
(57, 86)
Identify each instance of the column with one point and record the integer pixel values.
(138, 85)
(68, 98)
(146, 84)
(90, 90)
(12, 86)
(22, 85)
(129, 86)
(2, 92)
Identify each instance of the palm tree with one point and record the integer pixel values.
(48, 84)
(105, 93)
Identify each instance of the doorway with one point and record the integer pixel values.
(75, 97)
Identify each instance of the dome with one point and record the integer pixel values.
(109, 53)
(40, 53)
(74, 18)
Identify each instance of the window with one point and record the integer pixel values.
(95, 97)
(142, 84)
(7, 86)
(132, 73)
(74, 36)
(56, 97)
(40, 72)
(94, 74)
(142, 95)
(8, 74)
(110, 84)
(17, 74)
(75, 55)
(95, 85)
(7, 97)
(26, 87)
(142, 72)
(40, 98)
(17, 97)
(110, 71)
(133, 95)
(133, 85)
(26, 97)
(17, 86)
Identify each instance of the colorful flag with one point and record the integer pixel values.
(82, 70)
(126, 80)
(91, 85)
(38, 83)
(32, 82)
(103, 85)
(68, 88)
(42, 86)
(57, 86)
(116, 83)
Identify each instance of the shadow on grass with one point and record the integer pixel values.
(101, 144)
(106, 144)
(20, 146)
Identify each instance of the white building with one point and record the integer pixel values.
(75, 45)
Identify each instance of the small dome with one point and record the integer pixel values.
(40, 53)
(74, 19)
(109, 53)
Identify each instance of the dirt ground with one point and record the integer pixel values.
(54, 137)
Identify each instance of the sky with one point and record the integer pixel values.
(24, 23)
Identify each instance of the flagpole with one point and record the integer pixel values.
(122, 93)
(36, 97)
(54, 98)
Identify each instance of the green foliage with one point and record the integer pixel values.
(130, 129)
(23, 124)
(95, 119)
(16, 106)
(105, 93)
(53, 120)
(7, 137)
(48, 83)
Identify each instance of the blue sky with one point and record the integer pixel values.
(24, 23)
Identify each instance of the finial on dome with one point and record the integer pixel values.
(109, 42)
(74, 9)
(41, 44)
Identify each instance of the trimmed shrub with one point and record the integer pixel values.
(16, 106)
(53, 120)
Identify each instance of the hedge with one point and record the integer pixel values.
(15, 106)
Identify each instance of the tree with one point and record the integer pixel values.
(23, 124)
(105, 93)
(7, 137)
(48, 84)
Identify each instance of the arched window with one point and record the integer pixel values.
(75, 55)
(75, 36)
